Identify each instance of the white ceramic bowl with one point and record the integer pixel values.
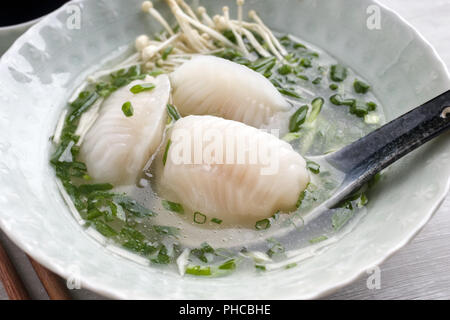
(39, 72)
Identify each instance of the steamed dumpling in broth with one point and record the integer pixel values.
(226, 184)
(117, 147)
(208, 85)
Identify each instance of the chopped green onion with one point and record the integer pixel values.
(334, 86)
(88, 188)
(318, 239)
(305, 62)
(155, 72)
(338, 73)
(215, 220)
(372, 106)
(338, 100)
(275, 249)
(204, 253)
(93, 213)
(199, 271)
(291, 136)
(199, 218)
(166, 230)
(363, 200)
(262, 224)
(260, 267)
(166, 52)
(375, 179)
(173, 112)
(285, 69)
(359, 108)
(172, 206)
(360, 86)
(162, 257)
(84, 101)
(303, 77)
(317, 105)
(313, 167)
(127, 109)
(263, 64)
(104, 229)
(131, 234)
(300, 199)
(299, 46)
(166, 152)
(317, 80)
(228, 265)
(133, 207)
(298, 118)
(141, 87)
(291, 265)
(289, 93)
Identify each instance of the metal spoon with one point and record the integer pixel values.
(364, 158)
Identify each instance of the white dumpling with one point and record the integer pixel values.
(117, 147)
(210, 178)
(208, 85)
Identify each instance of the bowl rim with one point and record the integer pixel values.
(107, 292)
(439, 202)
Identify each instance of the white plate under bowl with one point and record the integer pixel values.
(39, 72)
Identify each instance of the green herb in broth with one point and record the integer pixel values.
(173, 112)
(172, 206)
(127, 109)
(360, 86)
(142, 87)
(318, 239)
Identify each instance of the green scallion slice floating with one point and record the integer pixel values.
(289, 93)
(166, 152)
(172, 206)
(142, 87)
(334, 86)
(285, 69)
(166, 52)
(262, 224)
(228, 265)
(291, 265)
(260, 267)
(317, 105)
(215, 220)
(199, 218)
(173, 112)
(166, 230)
(127, 109)
(313, 167)
(318, 239)
(198, 271)
(338, 73)
(361, 87)
(298, 118)
(104, 229)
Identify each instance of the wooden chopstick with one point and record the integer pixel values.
(53, 284)
(11, 281)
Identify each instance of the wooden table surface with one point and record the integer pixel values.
(421, 270)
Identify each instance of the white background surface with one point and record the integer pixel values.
(421, 270)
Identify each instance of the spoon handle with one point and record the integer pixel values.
(367, 156)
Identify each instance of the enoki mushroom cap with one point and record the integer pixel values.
(148, 52)
(141, 42)
(201, 10)
(146, 6)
